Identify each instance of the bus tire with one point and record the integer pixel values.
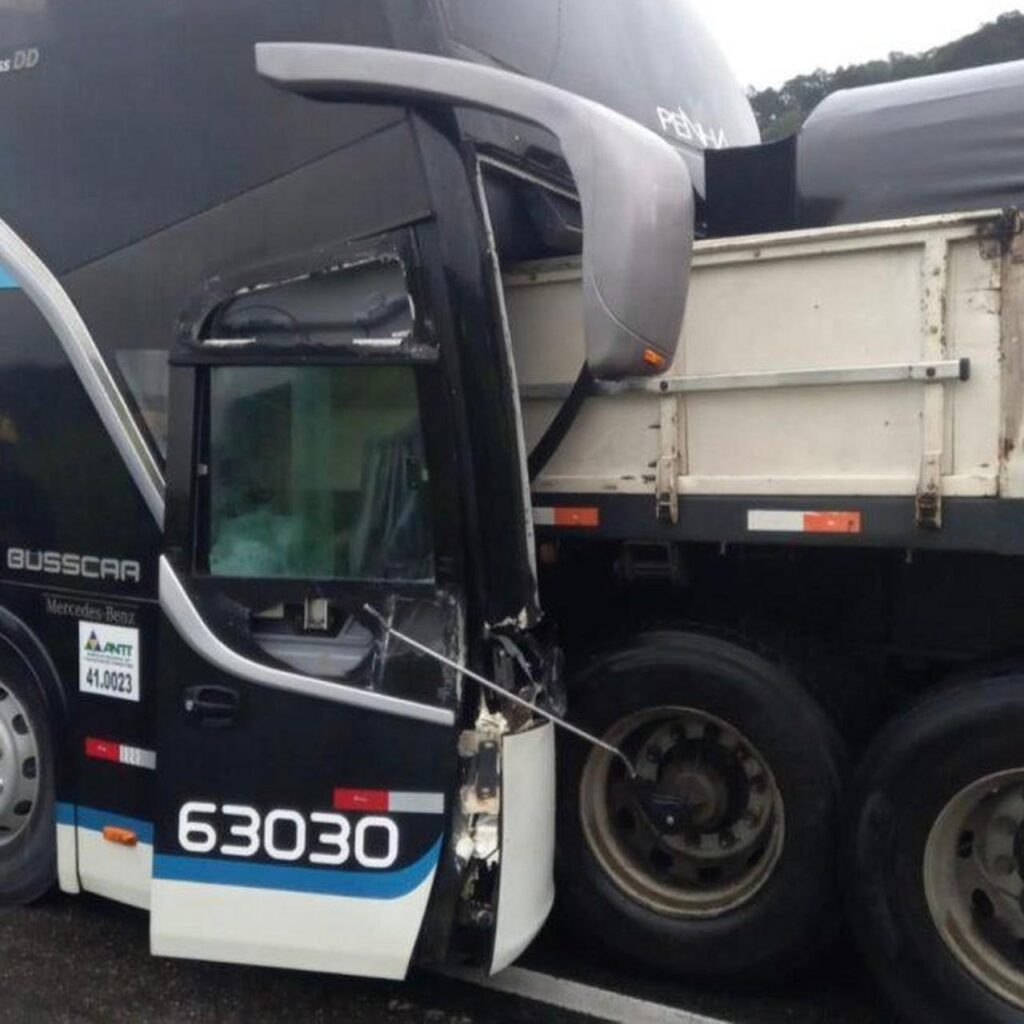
(932, 860)
(746, 888)
(28, 846)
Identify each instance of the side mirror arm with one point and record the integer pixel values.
(635, 190)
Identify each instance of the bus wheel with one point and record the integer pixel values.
(936, 856)
(27, 829)
(742, 881)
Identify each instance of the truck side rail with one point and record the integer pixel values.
(872, 361)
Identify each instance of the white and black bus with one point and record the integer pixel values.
(257, 418)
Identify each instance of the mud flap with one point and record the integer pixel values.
(527, 890)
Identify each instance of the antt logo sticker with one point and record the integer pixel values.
(108, 661)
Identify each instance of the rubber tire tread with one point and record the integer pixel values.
(28, 864)
(917, 764)
(796, 912)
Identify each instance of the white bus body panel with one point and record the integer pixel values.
(278, 927)
(120, 873)
(527, 890)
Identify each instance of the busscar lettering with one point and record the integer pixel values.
(61, 563)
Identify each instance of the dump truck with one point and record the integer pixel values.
(369, 414)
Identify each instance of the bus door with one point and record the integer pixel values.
(306, 770)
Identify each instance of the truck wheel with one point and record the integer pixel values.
(936, 856)
(745, 884)
(27, 831)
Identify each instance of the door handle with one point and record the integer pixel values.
(213, 706)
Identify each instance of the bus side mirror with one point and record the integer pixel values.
(635, 190)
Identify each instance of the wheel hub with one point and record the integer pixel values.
(701, 795)
(19, 771)
(974, 881)
(700, 830)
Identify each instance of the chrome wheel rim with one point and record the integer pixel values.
(974, 881)
(19, 767)
(731, 837)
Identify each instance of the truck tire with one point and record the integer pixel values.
(28, 846)
(935, 857)
(746, 886)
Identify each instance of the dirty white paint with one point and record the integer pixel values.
(861, 295)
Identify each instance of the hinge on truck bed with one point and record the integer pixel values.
(928, 508)
(667, 479)
(933, 410)
(928, 503)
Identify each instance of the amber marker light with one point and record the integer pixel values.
(120, 836)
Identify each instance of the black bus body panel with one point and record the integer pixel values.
(152, 205)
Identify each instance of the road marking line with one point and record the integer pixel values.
(585, 999)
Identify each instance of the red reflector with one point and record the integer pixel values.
(361, 800)
(832, 522)
(577, 517)
(102, 750)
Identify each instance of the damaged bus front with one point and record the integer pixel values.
(313, 727)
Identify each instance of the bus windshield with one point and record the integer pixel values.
(318, 473)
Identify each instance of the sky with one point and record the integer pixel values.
(769, 42)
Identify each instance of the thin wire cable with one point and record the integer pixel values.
(501, 691)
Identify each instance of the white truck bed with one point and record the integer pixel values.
(813, 364)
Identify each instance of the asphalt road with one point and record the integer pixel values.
(86, 960)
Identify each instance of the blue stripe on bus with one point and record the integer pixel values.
(6, 281)
(369, 884)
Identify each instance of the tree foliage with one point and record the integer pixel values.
(781, 111)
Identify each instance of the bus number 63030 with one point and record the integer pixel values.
(327, 838)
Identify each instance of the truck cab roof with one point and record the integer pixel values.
(916, 147)
(939, 144)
